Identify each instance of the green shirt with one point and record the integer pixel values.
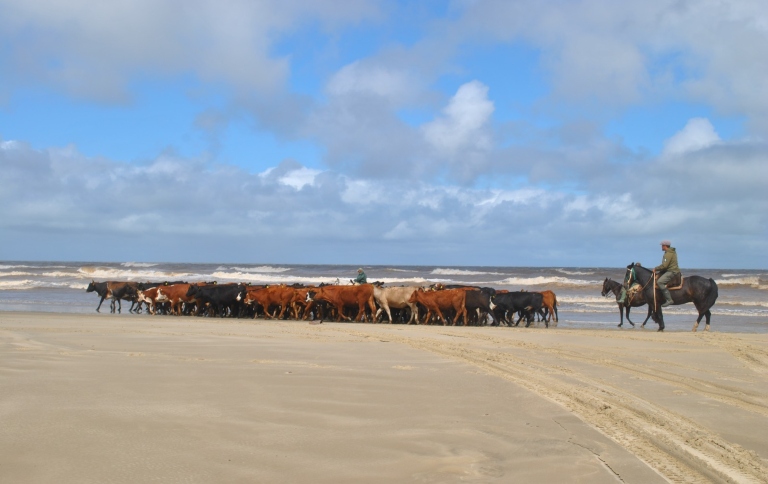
(669, 262)
(361, 278)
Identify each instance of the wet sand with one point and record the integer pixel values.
(104, 398)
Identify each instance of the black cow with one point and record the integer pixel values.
(115, 290)
(478, 304)
(219, 298)
(509, 303)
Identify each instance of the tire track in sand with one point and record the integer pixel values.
(678, 449)
(743, 398)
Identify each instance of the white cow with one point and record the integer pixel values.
(395, 297)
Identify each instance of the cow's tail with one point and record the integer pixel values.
(554, 307)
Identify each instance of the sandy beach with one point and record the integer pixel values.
(105, 398)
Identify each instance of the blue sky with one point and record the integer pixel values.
(574, 133)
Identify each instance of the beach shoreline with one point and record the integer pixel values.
(125, 398)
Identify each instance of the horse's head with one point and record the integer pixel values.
(606, 287)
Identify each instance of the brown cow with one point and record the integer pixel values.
(176, 294)
(151, 297)
(436, 301)
(269, 296)
(340, 296)
(549, 301)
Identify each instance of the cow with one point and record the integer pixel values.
(151, 297)
(438, 301)
(395, 297)
(549, 303)
(479, 303)
(176, 295)
(268, 296)
(115, 290)
(526, 303)
(219, 297)
(340, 296)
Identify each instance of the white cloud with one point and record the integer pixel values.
(697, 134)
(94, 49)
(358, 77)
(464, 121)
(219, 211)
(298, 179)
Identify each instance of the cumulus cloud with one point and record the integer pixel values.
(93, 49)
(697, 134)
(173, 208)
(464, 122)
(620, 53)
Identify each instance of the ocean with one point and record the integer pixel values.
(742, 305)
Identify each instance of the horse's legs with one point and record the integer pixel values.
(621, 316)
(707, 314)
(647, 316)
(629, 320)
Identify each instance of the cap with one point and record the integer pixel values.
(360, 270)
(667, 243)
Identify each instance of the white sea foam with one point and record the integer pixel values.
(463, 272)
(260, 269)
(90, 272)
(34, 284)
(542, 280)
(60, 274)
(576, 273)
(16, 274)
(753, 281)
(274, 278)
(138, 264)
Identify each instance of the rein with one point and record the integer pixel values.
(629, 283)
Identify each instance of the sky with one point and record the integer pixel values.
(469, 132)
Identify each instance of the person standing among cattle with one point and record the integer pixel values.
(361, 277)
(668, 269)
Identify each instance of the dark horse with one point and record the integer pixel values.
(635, 300)
(700, 291)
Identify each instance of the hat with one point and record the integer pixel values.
(667, 243)
(360, 270)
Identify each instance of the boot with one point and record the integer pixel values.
(667, 297)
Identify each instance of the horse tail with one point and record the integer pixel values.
(711, 297)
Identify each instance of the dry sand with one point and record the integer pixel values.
(129, 399)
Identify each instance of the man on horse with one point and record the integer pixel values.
(668, 269)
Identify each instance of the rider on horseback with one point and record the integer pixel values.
(668, 269)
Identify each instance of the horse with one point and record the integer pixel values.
(700, 291)
(636, 300)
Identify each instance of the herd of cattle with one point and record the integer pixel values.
(412, 304)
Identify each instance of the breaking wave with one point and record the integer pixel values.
(543, 280)
(753, 281)
(131, 275)
(16, 274)
(35, 284)
(462, 272)
(259, 269)
(576, 273)
(138, 264)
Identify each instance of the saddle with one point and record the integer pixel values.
(676, 282)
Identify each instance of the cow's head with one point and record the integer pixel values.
(91, 286)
